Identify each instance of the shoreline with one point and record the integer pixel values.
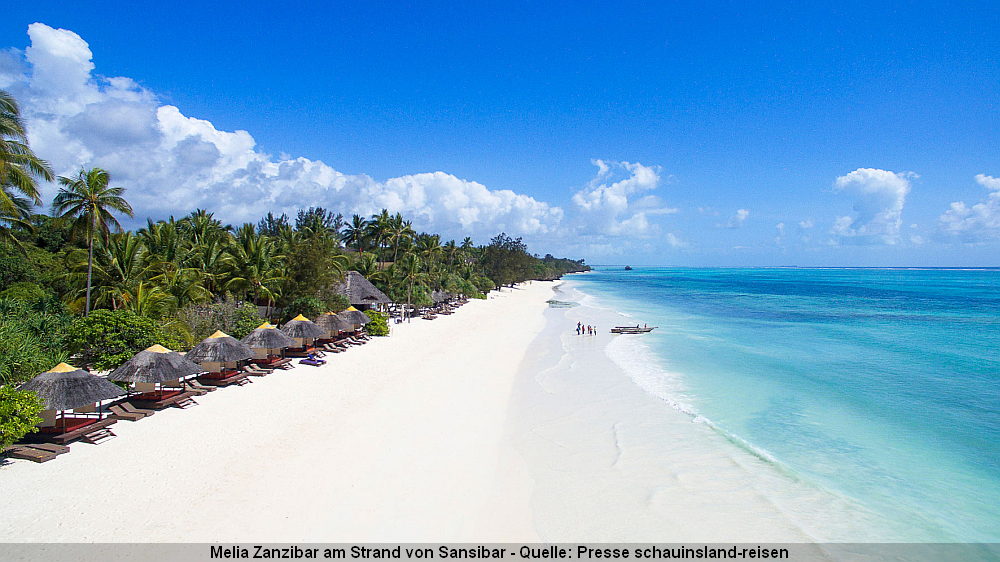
(615, 461)
(401, 439)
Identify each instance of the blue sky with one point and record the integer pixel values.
(701, 110)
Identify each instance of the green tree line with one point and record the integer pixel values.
(75, 282)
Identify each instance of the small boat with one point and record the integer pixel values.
(628, 268)
(632, 329)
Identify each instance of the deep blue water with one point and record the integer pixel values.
(879, 384)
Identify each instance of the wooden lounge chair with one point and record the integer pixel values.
(195, 386)
(255, 371)
(94, 431)
(122, 414)
(29, 453)
(133, 410)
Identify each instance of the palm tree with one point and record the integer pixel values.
(356, 232)
(410, 271)
(378, 230)
(20, 169)
(253, 266)
(119, 264)
(89, 202)
(402, 232)
(450, 250)
(17, 219)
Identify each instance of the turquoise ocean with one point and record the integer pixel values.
(882, 385)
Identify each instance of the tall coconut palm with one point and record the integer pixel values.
(411, 271)
(252, 265)
(356, 232)
(379, 228)
(20, 169)
(90, 203)
(402, 232)
(120, 263)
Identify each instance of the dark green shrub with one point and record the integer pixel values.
(379, 326)
(18, 414)
(237, 320)
(24, 291)
(31, 340)
(337, 302)
(108, 338)
(310, 307)
(247, 319)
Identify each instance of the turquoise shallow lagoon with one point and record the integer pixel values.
(882, 385)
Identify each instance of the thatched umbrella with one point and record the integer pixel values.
(355, 316)
(65, 387)
(267, 341)
(267, 336)
(333, 323)
(302, 328)
(220, 348)
(155, 364)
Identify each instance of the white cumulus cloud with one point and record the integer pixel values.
(613, 203)
(172, 163)
(738, 218)
(975, 223)
(879, 197)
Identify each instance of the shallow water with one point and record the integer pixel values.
(881, 387)
(618, 453)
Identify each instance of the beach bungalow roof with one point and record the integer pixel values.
(355, 317)
(302, 327)
(333, 322)
(360, 291)
(155, 364)
(220, 348)
(267, 336)
(65, 387)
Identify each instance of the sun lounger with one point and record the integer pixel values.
(164, 398)
(195, 386)
(121, 414)
(88, 430)
(134, 410)
(225, 378)
(255, 371)
(39, 452)
(312, 362)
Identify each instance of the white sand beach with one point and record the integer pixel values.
(401, 439)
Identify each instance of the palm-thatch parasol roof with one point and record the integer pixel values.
(302, 327)
(360, 291)
(220, 348)
(440, 296)
(355, 316)
(267, 336)
(333, 322)
(155, 364)
(65, 387)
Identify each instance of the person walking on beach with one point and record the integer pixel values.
(578, 328)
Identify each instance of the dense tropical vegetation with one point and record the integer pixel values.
(75, 283)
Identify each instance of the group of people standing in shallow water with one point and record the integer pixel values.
(585, 329)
